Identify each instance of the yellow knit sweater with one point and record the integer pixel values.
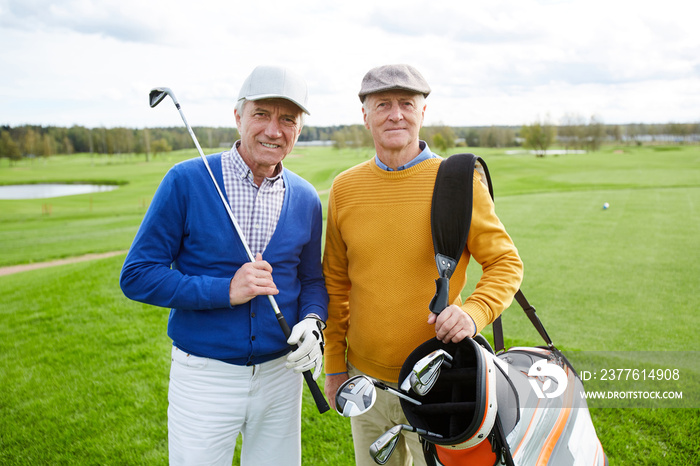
(380, 271)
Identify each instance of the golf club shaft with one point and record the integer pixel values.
(395, 392)
(316, 392)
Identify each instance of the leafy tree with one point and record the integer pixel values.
(352, 136)
(8, 147)
(595, 133)
(441, 137)
(495, 136)
(160, 146)
(571, 132)
(47, 146)
(440, 143)
(539, 136)
(29, 145)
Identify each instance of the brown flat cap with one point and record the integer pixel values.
(389, 77)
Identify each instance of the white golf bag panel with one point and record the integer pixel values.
(556, 429)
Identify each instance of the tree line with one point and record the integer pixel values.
(572, 132)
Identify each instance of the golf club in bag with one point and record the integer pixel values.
(156, 96)
(426, 371)
(384, 446)
(357, 395)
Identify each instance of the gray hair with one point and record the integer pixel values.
(240, 105)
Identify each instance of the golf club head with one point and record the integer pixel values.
(355, 396)
(426, 371)
(382, 448)
(158, 94)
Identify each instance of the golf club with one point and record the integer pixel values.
(384, 446)
(426, 371)
(156, 96)
(357, 395)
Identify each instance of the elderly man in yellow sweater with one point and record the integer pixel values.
(379, 262)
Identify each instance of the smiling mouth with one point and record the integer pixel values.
(270, 146)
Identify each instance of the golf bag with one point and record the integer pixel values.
(524, 406)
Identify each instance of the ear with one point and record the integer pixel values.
(364, 117)
(238, 120)
(422, 115)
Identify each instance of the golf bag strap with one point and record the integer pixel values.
(501, 443)
(531, 314)
(450, 220)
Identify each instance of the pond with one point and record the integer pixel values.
(41, 191)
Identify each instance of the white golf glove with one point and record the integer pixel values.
(308, 335)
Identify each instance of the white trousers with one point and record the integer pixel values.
(211, 402)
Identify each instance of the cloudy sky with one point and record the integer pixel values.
(489, 62)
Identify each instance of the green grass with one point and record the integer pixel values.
(84, 370)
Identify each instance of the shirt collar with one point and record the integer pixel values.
(425, 154)
(243, 171)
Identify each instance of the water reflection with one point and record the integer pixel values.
(41, 191)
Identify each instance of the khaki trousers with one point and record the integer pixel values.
(385, 414)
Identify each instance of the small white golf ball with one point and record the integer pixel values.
(605, 206)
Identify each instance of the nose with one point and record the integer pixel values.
(395, 113)
(273, 129)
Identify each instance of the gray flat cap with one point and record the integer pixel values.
(389, 77)
(274, 82)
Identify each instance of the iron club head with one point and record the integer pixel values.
(426, 371)
(382, 448)
(158, 94)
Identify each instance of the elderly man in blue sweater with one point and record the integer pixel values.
(230, 371)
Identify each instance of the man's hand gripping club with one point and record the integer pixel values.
(308, 335)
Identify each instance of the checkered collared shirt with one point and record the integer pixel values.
(257, 209)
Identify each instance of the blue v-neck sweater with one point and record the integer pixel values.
(186, 252)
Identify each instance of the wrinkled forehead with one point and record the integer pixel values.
(283, 106)
(394, 94)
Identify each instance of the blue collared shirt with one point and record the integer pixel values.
(424, 155)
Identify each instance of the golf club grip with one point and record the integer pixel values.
(316, 392)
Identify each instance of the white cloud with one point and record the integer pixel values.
(497, 62)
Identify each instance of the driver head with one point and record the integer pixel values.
(355, 396)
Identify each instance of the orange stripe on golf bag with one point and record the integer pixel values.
(482, 453)
(559, 426)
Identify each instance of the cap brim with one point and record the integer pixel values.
(276, 96)
(392, 88)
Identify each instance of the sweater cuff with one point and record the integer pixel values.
(318, 312)
(477, 314)
(219, 293)
(335, 364)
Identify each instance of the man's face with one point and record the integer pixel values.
(394, 118)
(269, 129)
